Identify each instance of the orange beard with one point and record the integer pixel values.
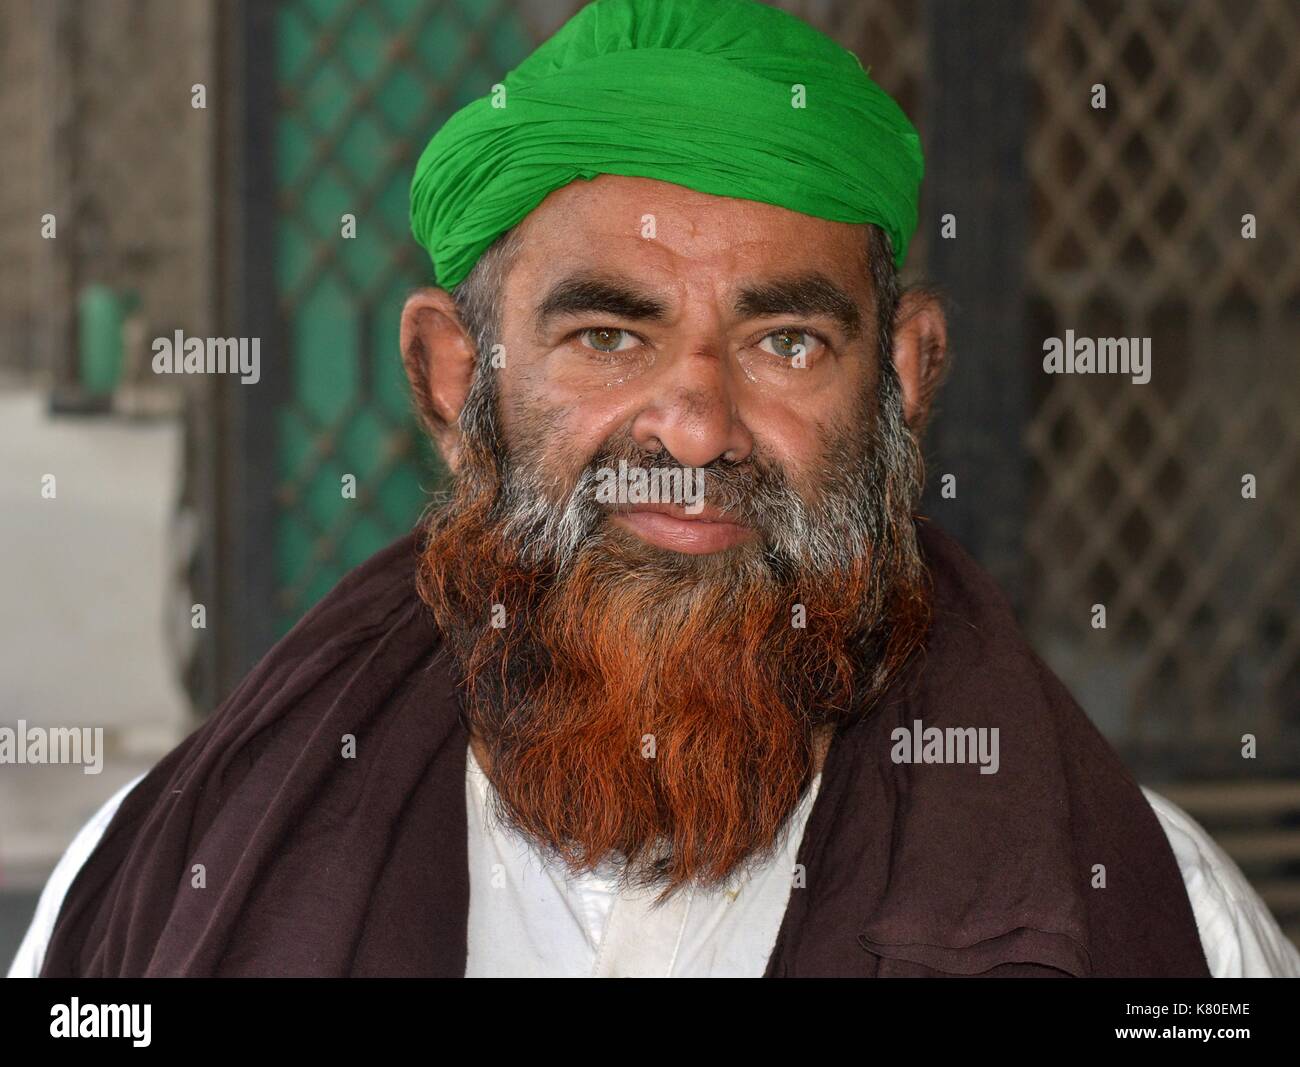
(659, 712)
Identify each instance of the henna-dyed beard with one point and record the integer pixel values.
(657, 709)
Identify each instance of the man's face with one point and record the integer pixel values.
(645, 685)
(703, 327)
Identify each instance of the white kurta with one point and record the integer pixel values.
(527, 917)
(530, 918)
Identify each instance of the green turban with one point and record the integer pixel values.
(728, 97)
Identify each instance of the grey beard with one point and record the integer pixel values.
(864, 477)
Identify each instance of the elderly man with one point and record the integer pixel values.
(677, 682)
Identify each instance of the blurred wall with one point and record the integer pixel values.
(98, 131)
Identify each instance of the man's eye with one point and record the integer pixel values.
(607, 339)
(789, 344)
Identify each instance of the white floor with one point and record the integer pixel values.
(82, 593)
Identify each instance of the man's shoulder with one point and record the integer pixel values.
(28, 960)
(979, 669)
(359, 649)
(378, 585)
(973, 624)
(364, 606)
(977, 651)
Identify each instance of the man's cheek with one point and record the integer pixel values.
(558, 468)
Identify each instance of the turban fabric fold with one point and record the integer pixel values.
(728, 97)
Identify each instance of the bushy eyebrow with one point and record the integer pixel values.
(802, 295)
(582, 294)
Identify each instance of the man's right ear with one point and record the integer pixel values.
(438, 355)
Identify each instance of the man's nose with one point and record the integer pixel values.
(693, 412)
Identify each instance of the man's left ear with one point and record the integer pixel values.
(920, 352)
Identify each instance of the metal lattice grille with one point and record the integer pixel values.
(361, 88)
(1138, 489)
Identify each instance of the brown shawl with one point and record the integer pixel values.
(314, 864)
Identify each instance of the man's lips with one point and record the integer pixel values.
(671, 526)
